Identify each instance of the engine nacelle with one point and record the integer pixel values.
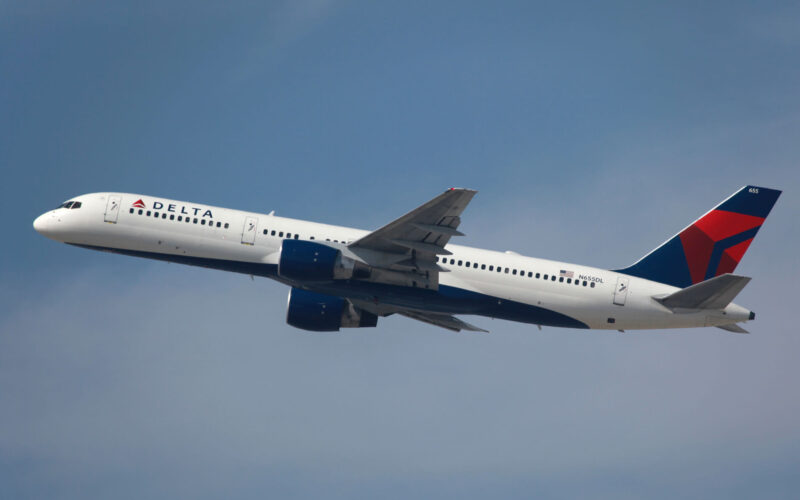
(325, 313)
(303, 260)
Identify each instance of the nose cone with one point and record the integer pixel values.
(46, 225)
(40, 223)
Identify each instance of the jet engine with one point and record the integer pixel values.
(302, 260)
(325, 313)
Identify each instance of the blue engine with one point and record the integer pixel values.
(307, 261)
(325, 313)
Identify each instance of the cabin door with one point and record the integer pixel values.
(112, 209)
(249, 231)
(621, 293)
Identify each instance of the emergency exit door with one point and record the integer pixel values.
(249, 231)
(621, 292)
(112, 209)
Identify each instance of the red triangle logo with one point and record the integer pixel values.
(139, 203)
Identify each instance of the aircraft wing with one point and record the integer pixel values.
(442, 320)
(415, 239)
(437, 319)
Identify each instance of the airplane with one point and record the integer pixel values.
(342, 277)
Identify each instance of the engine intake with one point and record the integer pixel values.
(325, 313)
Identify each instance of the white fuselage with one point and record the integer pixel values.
(597, 298)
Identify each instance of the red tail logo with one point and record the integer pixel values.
(714, 244)
(138, 203)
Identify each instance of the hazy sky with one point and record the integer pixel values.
(592, 133)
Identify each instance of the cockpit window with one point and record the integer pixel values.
(75, 205)
(66, 204)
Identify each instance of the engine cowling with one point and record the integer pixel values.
(303, 260)
(325, 313)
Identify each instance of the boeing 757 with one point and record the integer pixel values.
(340, 277)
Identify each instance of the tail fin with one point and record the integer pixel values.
(712, 245)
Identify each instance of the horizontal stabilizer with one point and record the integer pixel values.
(733, 327)
(714, 293)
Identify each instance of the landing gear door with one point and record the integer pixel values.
(112, 209)
(621, 292)
(249, 231)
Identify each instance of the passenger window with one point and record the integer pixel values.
(155, 214)
(491, 268)
(561, 279)
(195, 220)
(553, 277)
(164, 216)
(280, 234)
(202, 222)
(180, 218)
(499, 269)
(530, 274)
(171, 216)
(219, 223)
(273, 232)
(475, 265)
(538, 276)
(468, 264)
(506, 270)
(514, 273)
(148, 213)
(312, 237)
(131, 211)
(288, 235)
(460, 262)
(483, 266)
(584, 283)
(569, 281)
(545, 277)
(296, 236)
(591, 285)
(226, 225)
(265, 231)
(140, 211)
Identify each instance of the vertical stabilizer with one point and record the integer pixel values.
(712, 245)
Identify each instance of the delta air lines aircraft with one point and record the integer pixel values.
(342, 277)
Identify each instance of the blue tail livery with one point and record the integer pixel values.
(712, 245)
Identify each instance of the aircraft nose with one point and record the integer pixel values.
(46, 225)
(40, 223)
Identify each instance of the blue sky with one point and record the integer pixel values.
(592, 134)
